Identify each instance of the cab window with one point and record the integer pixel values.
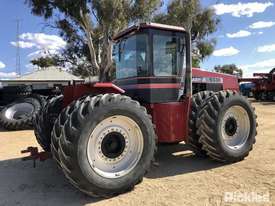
(131, 56)
(168, 54)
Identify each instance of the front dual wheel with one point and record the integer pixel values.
(106, 143)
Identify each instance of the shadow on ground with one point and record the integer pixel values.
(263, 102)
(267, 103)
(178, 159)
(2, 129)
(21, 184)
(5, 130)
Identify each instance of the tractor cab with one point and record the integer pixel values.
(150, 60)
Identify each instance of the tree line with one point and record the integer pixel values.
(89, 25)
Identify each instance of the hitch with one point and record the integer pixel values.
(35, 155)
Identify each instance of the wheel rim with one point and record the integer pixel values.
(115, 146)
(19, 111)
(235, 127)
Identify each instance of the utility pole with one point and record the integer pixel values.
(18, 63)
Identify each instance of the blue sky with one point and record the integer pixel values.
(256, 49)
(33, 30)
(244, 37)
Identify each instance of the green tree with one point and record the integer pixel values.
(44, 62)
(229, 69)
(88, 25)
(193, 17)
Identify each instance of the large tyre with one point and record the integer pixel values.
(44, 121)
(227, 127)
(106, 145)
(19, 114)
(198, 100)
(58, 127)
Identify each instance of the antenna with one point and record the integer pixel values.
(18, 61)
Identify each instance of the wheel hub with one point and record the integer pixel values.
(115, 146)
(231, 126)
(235, 127)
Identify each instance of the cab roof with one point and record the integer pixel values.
(136, 27)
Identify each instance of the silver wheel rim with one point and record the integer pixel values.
(19, 111)
(118, 128)
(235, 127)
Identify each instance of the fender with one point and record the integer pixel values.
(74, 92)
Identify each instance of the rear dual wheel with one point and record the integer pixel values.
(227, 127)
(197, 102)
(44, 121)
(105, 144)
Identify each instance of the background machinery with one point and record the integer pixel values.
(21, 98)
(246, 89)
(104, 135)
(264, 85)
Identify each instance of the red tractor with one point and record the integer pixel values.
(264, 85)
(104, 135)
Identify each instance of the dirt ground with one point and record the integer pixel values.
(179, 179)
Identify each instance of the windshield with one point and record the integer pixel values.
(131, 56)
(168, 54)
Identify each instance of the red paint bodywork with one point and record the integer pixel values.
(171, 120)
(230, 82)
(153, 86)
(74, 92)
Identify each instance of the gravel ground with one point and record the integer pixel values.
(179, 179)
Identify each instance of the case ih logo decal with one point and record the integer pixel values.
(207, 80)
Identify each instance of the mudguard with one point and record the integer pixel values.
(76, 91)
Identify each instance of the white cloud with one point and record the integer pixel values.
(262, 24)
(266, 48)
(43, 53)
(230, 51)
(239, 34)
(260, 32)
(2, 65)
(248, 73)
(23, 44)
(241, 9)
(261, 66)
(36, 54)
(29, 66)
(45, 43)
(4, 75)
